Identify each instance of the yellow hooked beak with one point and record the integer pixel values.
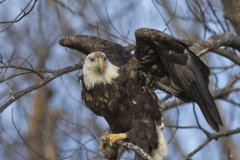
(100, 64)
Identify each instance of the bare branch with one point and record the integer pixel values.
(213, 43)
(2, 1)
(181, 127)
(46, 80)
(110, 152)
(22, 68)
(215, 15)
(216, 41)
(231, 56)
(210, 138)
(136, 149)
(25, 142)
(24, 72)
(20, 16)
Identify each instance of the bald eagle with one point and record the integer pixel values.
(120, 86)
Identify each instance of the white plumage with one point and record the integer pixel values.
(92, 76)
(162, 150)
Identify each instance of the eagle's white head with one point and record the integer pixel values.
(97, 69)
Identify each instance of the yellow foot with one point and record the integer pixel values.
(111, 139)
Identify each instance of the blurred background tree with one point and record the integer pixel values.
(50, 121)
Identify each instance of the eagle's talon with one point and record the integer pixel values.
(104, 138)
(111, 139)
(102, 146)
(104, 143)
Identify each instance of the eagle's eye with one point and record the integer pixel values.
(91, 59)
(105, 58)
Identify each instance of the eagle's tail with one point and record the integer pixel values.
(161, 150)
(209, 108)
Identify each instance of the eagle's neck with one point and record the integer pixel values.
(92, 77)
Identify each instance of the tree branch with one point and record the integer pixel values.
(110, 152)
(216, 41)
(227, 54)
(213, 43)
(210, 138)
(20, 16)
(18, 94)
(136, 149)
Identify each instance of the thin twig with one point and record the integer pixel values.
(20, 16)
(25, 142)
(22, 68)
(46, 80)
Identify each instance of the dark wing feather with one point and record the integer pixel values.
(116, 53)
(189, 77)
(186, 76)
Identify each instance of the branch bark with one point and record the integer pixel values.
(111, 152)
(213, 43)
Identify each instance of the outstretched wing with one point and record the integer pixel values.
(175, 69)
(116, 53)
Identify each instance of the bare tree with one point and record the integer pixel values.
(42, 114)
